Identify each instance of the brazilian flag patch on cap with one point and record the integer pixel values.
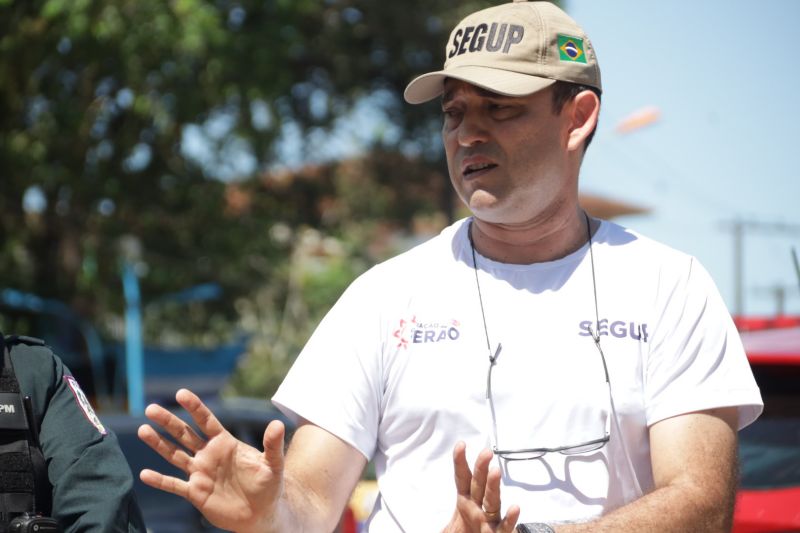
(571, 49)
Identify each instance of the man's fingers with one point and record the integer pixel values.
(273, 444)
(164, 448)
(509, 522)
(169, 484)
(491, 496)
(479, 495)
(463, 475)
(180, 430)
(479, 475)
(201, 414)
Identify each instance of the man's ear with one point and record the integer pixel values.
(584, 110)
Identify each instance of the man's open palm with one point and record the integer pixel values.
(234, 485)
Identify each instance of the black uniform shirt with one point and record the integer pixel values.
(92, 483)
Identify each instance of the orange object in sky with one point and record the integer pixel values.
(638, 119)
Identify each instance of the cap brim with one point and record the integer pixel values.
(431, 85)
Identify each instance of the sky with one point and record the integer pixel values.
(724, 77)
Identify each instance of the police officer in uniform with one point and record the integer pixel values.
(57, 460)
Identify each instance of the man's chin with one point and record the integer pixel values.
(485, 206)
(491, 212)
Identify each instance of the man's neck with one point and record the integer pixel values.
(536, 242)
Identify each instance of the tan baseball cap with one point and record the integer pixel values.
(514, 49)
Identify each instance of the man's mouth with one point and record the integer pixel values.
(477, 167)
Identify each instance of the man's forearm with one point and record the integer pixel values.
(296, 510)
(695, 471)
(318, 477)
(674, 508)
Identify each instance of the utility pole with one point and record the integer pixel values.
(739, 227)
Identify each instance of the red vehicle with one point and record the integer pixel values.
(769, 449)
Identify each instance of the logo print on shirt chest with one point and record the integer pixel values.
(616, 328)
(413, 331)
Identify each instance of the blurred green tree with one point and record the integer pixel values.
(96, 98)
(133, 129)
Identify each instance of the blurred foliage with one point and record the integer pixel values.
(97, 97)
(338, 218)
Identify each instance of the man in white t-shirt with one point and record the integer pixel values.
(530, 368)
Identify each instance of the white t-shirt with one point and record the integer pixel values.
(398, 368)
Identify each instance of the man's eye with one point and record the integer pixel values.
(502, 111)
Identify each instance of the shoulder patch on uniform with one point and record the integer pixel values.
(85, 406)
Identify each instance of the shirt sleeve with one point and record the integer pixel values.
(336, 383)
(696, 360)
(92, 482)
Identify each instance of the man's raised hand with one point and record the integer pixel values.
(234, 485)
(478, 507)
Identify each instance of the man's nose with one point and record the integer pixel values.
(472, 130)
